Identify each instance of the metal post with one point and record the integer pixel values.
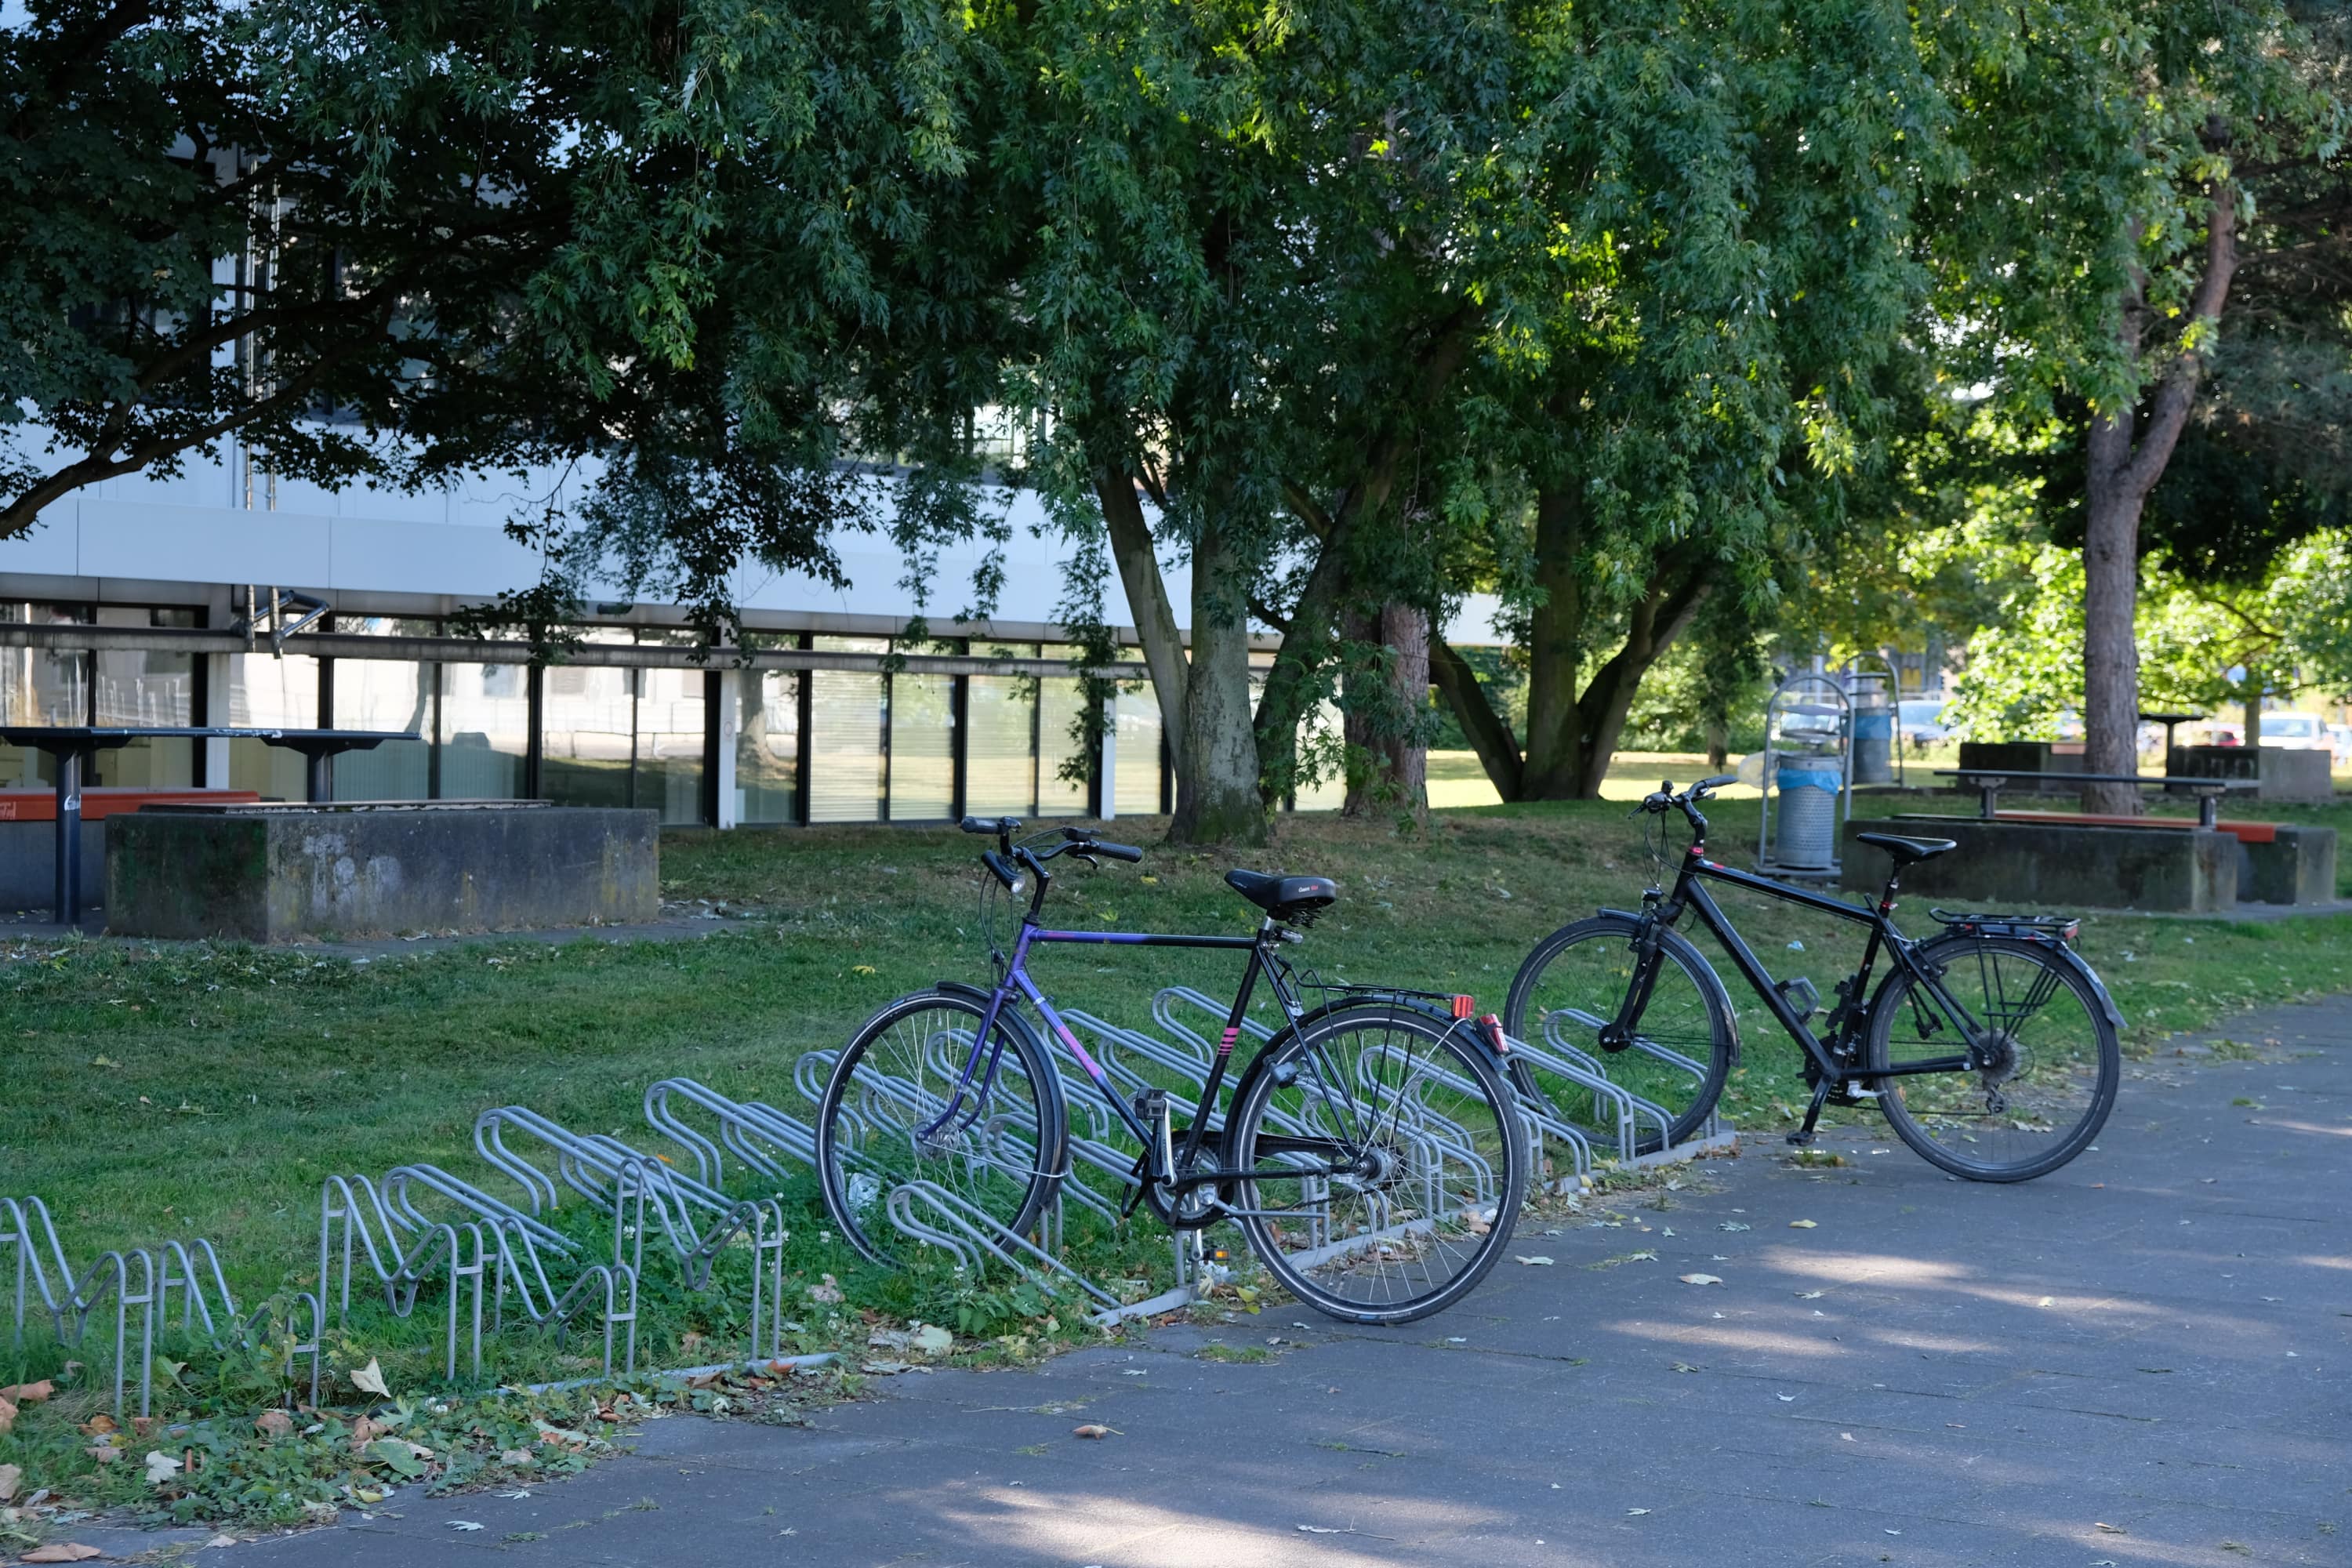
(69, 900)
(322, 774)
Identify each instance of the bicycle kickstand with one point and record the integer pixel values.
(1804, 1135)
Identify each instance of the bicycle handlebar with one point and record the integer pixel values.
(990, 824)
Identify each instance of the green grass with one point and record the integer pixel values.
(208, 1090)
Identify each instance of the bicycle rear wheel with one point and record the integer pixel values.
(899, 1109)
(2053, 1081)
(1388, 1161)
(1573, 983)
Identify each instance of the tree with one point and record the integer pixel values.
(1730, 197)
(680, 255)
(2093, 260)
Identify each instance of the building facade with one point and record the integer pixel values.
(129, 605)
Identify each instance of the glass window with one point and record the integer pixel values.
(385, 694)
(670, 742)
(1058, 704)
(845, 746)
(267, 692)
(485, 731)
(38, 686)
(767, 746)
(1000, 746)
(144, 689)
(589, 735)
(1134, 777)
(922, 747)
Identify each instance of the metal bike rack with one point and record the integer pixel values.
(191, 1267)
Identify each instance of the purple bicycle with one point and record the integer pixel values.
(1371, 1149)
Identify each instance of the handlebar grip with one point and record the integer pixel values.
(1126, 852)
(1004, 872)
(1718, 781)
(990, 824)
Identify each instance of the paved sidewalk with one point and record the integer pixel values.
(2141, 1360)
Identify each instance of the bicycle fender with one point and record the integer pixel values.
(2065, 955)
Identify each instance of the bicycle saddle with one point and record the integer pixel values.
(1907, 851)
(1294, 901)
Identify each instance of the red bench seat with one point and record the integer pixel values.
(98, 804)
(2243, 832)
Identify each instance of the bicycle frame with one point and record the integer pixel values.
(1690, 892)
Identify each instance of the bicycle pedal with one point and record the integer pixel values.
(1802, 1139)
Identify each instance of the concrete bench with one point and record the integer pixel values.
(2278, 862)
(2081, 860)
(273, 872)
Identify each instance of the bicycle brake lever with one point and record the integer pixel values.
(1082, 854)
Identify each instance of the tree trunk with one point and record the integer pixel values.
(2117, 480)
(2254, 708)
(1146, 598)
(1389, 760)
(1718, 741)
(1663, 615)
(1359, 695)
(1217, 799)
(1555, 762)
(1490, 735)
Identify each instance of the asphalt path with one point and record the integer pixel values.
(2139, 1360)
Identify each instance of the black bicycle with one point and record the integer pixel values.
(1371, 1149)
(1990, 1047)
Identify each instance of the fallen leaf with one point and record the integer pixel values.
(861, 969)
(143, 1427)
(104, 1453)
(516, 1457)
(273, 1422)
(364, 1431)
(2110, 1529)
(1699, 1278)
(516, 1495)
(1809, 1294)
(28, 1393)
(1845, 1437)
(1632, 1512)
(1092, 1429)
(828, 1291)
(1684, 1366)
(369, 1379)
(161, 1467)
(933, 1339)
(99, 1423)
(7, 1416)
(2047, 1301)
(1802, 1224)
(61, 1552)
(884, 1368)
(1538, 1262)
(1322, 1530)
(463, 1524)
(221, 1541)
(1787, 1398)
(689, 1341)
(9, 1476)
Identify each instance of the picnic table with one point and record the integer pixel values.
(73, 744)
(1988, 782)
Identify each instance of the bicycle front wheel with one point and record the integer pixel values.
(1387, 1161)
(2056, 1061)
(914, 1102)
(1673, 1068)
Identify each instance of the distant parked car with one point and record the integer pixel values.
(2295, 732)
(2339, 741)
(1922, 721)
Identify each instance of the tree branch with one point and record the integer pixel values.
(1490, 734)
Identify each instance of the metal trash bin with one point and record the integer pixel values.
(1873, 745)
(1805, 837)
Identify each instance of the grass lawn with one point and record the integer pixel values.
(197, 1091)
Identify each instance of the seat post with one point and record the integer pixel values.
(1893, 878)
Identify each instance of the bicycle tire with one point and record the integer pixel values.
(1703, 1031)
(2057, 1060)
(1003, 1159)
(1357, 1264)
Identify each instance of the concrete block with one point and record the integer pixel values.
(2298, 867)
(29, 863)
(2059, 867)
(2302, 777)
(275, 873)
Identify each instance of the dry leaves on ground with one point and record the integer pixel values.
(1701, 1278)
(61, 1552)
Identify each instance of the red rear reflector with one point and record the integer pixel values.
(1464, 1007)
